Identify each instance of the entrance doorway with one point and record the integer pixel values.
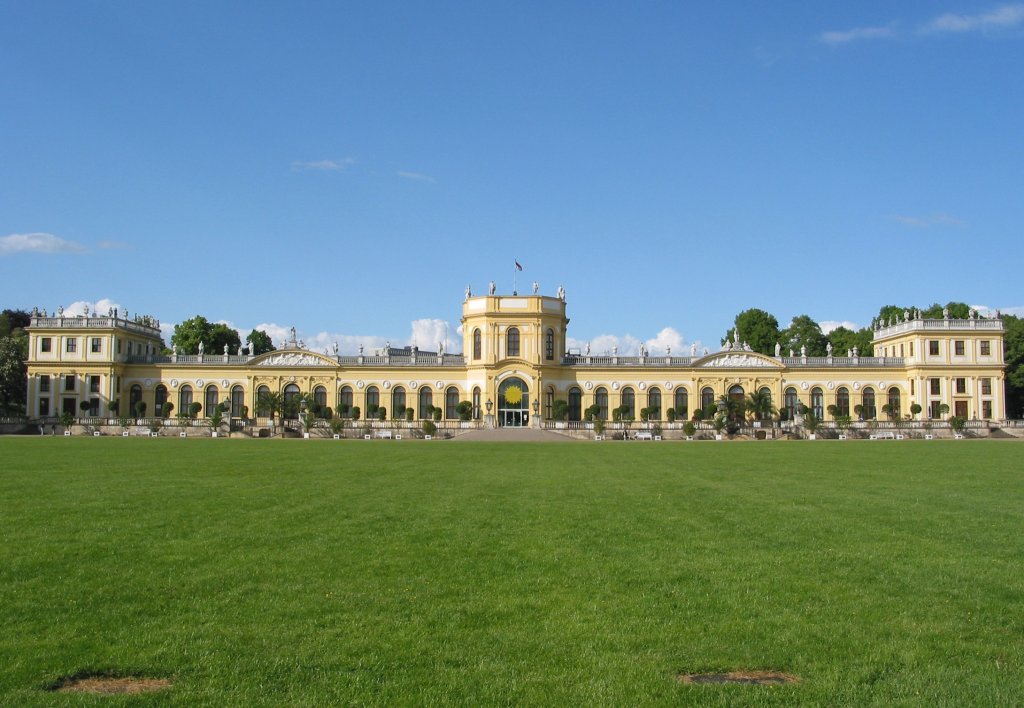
(513, 404)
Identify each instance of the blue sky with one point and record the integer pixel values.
(350, 168)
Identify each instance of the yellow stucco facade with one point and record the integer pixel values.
(513, 369)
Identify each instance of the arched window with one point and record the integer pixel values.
(868, 402)
(451, 403)
(549, 344)
(894, 401)
(212, 399)
(817, 403)
(682, 403)
(654, 403)
(426, 402)
(134, 396)
(476, 403)
(345, 401)
(372, 401)
(398, 402)
(160, 399)
(842, 401)
(628, 403)
(184, 399)
(237, 401)
(320, 399)
(476, 344)
(262, 410)
(512, 342)
(707, 401)
(601, 401)
(575, 404)
(291, 401)
(791, 402)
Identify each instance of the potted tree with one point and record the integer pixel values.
(689, 429)
(958, 423)
(811, 424)
(718, 423)
(465, 411)
(560, 411)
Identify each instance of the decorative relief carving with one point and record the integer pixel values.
(739, 361)
(294, 359)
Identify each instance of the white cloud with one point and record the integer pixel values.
(628, 345)
(99, 306)
(37, 243)
(427, 333)
(836, 38)
(323, 165)
(986, 311)
(829, 325)
(924, 222)
(112, 245)
(418, 176)
(1000, 18)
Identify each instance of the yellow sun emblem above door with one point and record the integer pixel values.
(513, 395)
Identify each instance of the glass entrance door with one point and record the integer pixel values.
(513, 404)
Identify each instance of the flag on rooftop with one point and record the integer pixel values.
(518, 267)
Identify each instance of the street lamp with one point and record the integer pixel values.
(490, 405)
(536, 406)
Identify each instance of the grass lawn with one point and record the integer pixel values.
(349, 572)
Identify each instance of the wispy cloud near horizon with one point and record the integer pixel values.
(1002, 17)
(924, 222)
(323, 165)
(416, 176)
(37, 243)
(836, 38)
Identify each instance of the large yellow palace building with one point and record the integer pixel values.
(514, 367)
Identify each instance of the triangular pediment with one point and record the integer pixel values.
(293, 357)
(737, 360)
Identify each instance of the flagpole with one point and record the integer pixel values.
(515, 270)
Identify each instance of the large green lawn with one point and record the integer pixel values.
(338, 572)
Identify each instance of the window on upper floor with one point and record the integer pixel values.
(69, 382)
(958, 347)
(933, 347)
(96, 345)
(961, 385)
(512, 342)
(549, 345)
(45, 344)
(94, 384)
(476, 344)
(71, 344)
(985, 347)
(934, 386)
(986, 387)
(44, 384)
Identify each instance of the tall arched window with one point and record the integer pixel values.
(397, 402)
(426, 402)
(291, 401)
(791, 402)
(654, 403)
(738, 399)
(707, 401)
(134, 396)
(842, 401)
(372, 401)
(476, 403)
(894, 401)
(320, 399)
(160, 399)
(512, 342)
(345, 401)
(601, 401)
(237, 401)
(184, 398)
(212, 399)
(575, 404)
(451, 403)
(476, 344)
(868, 402)
(817, 403)
(682, 403)
(262, 410)
(628, 403)
(549, 344)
